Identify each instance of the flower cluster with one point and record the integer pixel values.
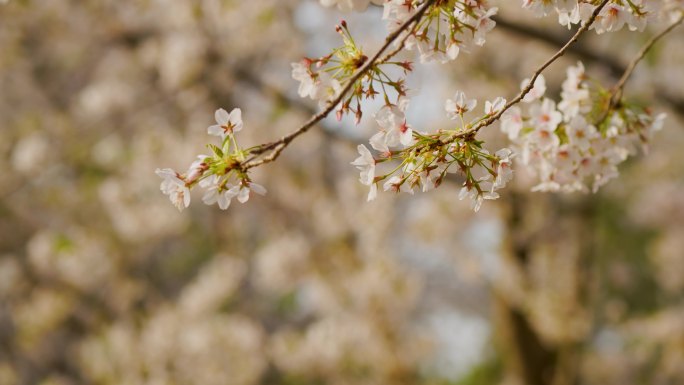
(448, 27)
(425, 159)
(322, 79)
(575, 144)
(635, 14)
(221, 174)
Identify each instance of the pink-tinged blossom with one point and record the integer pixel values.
(302, 74)
(459, 105)
(319, 86)
(476, 198)
(539, 8)
(544, 116)
(397, 184)
(221, 195)
(365, 163)
(452, 28)
(484, 24)
(564, 149)
(504, 172)
(372, 192)
(512, 122)
(393, 128)
(612, 18)
(398, 11)
(537, 90)
(580, 133)
(495, 106)
(197, 168)
(568, 18)
(244, 190)
(173, 186)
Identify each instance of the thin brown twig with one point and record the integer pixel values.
(279, 145)
(616, 92)
(487, 122)
(400, 46)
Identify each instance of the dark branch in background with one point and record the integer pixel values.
(615, 67)
(557, 40)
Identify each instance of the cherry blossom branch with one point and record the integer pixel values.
(614, 66)
(616, 91)
(401, 44)
(278, 146)
(489, 121)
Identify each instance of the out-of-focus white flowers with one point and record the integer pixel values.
(350, 5)
(568, 146)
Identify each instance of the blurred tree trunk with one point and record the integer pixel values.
(526, 358)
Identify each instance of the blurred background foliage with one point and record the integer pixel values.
(102, 281)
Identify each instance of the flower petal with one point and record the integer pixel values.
(257, 188)
(222, 117)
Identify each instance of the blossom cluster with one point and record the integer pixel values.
(448, 27)
(426, 159)
(220, 174)
(322, 79)
(635, 14)
(575, 144)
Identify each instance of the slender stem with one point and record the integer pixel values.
(280, 144)
(620, 85)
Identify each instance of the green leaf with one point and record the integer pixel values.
(217, 151)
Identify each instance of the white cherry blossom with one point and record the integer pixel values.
(244, 190)
(366, 164)
(173, 186)
(495, 106)
(537, 90)
(226, 123)
(512, 122)
(459, 105)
